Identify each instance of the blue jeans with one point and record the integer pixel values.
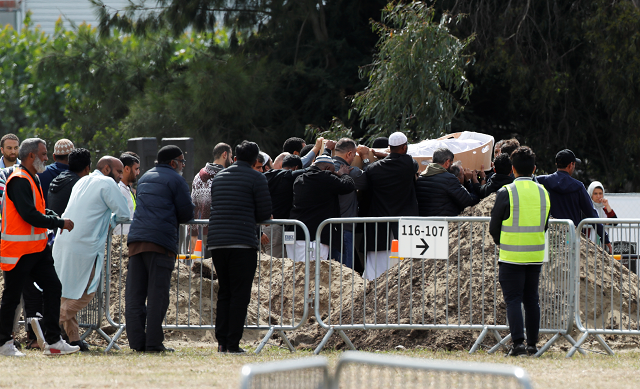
(519, 285)
(344, 256)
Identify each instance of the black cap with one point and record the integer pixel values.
(169, 152)
(565, 157)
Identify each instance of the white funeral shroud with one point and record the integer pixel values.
(465, 142)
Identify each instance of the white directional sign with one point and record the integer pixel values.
(420, 238)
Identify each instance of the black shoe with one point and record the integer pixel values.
(517, 350)
(236, 350)
(532, 350)
(222, 349)
(82, 344)
(17, 344)
(159, 349)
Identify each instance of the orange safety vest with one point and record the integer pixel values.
(18, 237)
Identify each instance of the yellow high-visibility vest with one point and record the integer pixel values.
(522, 234)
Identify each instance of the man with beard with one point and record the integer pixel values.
(61, 151)
(25, 253)
(131, 163)
(9, 147)
(96, 205)
(162, 203)
(61, 186)
(201, 189)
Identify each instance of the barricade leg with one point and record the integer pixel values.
(265, 340)
(346, 339)
(324, 341)
(478, 342)
(286, 341)
(117, 335)
(573, 342)
(546, 346)
(502, 343)
(604, 344)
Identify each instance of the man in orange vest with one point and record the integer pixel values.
(24, 253)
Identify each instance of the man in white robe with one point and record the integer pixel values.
(97, 204)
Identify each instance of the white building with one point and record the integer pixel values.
(45, 13)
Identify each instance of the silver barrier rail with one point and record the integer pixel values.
(371, 371)
(607, 294)
(311, 373)
(278, 304)
(459, 292)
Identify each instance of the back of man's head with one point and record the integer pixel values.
(442, 155)
(524, 161)
(247, 152)
(79, 159)
(292, 162)
(345, 145)
(509, 146)
(305, 150)
(220, 149)
(502, 164)
(129, 159)
(380, 143)
(293, 144)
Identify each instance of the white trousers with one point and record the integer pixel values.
(296, 251)
(378, 262)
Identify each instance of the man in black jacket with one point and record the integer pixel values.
(315, 198)
(439, 192)
(391, 193)
(281, 190)
(239, 199)
(162, 203)
(500, 178)
(60, 188)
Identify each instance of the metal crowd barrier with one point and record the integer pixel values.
(311, 373)
(274, 308)
(607, 298)
(366, 370)
(464, 297)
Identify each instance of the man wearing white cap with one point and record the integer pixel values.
(392, 193)
(61, 152)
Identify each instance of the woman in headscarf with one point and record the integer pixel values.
(596, 192)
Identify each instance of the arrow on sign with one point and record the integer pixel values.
(425, 246)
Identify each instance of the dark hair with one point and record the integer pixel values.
(79, 159)
(380, 143)
(345, 145)
(247, 152)
(509, 146)
(455, 170)
(128, 159)
(292, 161)
(293, 144)
(523, 160)
(260, 158)
(219, 149)
(442, 155)
(305, 150)
(502, 164)
(8, 136)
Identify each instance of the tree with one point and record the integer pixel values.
(417, 80)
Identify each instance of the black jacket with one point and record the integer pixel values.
(163, 202)
(60, 191)
(281, 189)
(315, 198)
(441, 194)
(239, 199)
(494, 183)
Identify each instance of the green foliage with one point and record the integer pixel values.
(417, 81)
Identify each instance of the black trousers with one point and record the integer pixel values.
(235, 269)
(32, 297)
(520, 286)
(147, 299)
(36, 267)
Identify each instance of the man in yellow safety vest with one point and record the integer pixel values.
(518, 221)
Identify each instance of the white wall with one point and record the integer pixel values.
(45, 13)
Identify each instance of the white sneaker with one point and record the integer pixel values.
(35, 326)
(9, 350)
(60, 348)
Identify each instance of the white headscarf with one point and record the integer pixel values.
(598, 206)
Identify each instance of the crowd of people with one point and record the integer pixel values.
(55, 221)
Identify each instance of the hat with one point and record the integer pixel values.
(324, 159)
(397, 139)
(63, 147)
(565, 157)
(169, 152)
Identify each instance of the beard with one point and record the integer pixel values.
(11, 158)
(38, 164)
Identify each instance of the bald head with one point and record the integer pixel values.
(112, 167)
